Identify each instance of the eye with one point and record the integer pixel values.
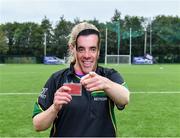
(93, 49)
(80, 49)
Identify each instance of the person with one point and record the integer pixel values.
(92, 113)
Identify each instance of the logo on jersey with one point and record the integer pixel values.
(43, 93)
(100, 98)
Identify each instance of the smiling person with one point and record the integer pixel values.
(92, 112)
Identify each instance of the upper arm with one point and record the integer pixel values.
(117, 78)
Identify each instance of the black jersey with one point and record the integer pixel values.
(89, 115)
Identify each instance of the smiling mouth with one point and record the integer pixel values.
(87, 63)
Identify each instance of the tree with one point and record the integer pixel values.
(61, 33)
(137, 33)
(9, 29)
(102, 29)
(117, 16)
(27, 39)
(3, 43)
(166, 36)
(76, 20)
(116, 19)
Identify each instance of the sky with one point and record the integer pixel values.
(102, 10)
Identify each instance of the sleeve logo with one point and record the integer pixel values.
(43, 93)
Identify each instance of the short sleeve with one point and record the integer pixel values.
(45, 99)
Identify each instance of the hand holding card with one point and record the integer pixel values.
(75, 88)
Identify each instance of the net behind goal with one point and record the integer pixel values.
(118, 59)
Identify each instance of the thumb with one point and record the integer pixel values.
(92, 73)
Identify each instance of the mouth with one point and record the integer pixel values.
(87, 64)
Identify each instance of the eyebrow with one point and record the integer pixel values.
(89, 47)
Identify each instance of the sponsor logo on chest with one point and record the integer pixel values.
(100, 98)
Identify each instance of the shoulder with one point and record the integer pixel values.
(111, 74)
(56, 79)
(59, 74)
(106, 71)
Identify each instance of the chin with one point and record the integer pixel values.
(86, 71)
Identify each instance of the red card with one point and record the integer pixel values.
(75, 88)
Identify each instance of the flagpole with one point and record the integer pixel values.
(118, 35)
(130, 45)
(106, 47)
(150, 43)
(45, 43)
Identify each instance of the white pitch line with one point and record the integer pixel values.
(153, 92)
(19, 93)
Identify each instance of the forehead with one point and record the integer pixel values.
(87, 40)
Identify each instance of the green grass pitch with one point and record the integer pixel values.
(153, 111)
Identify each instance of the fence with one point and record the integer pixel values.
(18, 59)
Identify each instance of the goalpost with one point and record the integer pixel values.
(118, 59)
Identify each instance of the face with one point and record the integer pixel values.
(86, 53)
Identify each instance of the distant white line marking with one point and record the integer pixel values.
(165, 92)
(19, 93)
(153, 92)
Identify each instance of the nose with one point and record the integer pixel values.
(87, 54)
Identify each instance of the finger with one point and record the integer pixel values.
(63, 94)
(62, 98)
(89, 75)
(91, 84)
(93, 89)
(64, 88)
(92, 73)
(96, 85)
(90, 80)
(84, 78)
(60, 103)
